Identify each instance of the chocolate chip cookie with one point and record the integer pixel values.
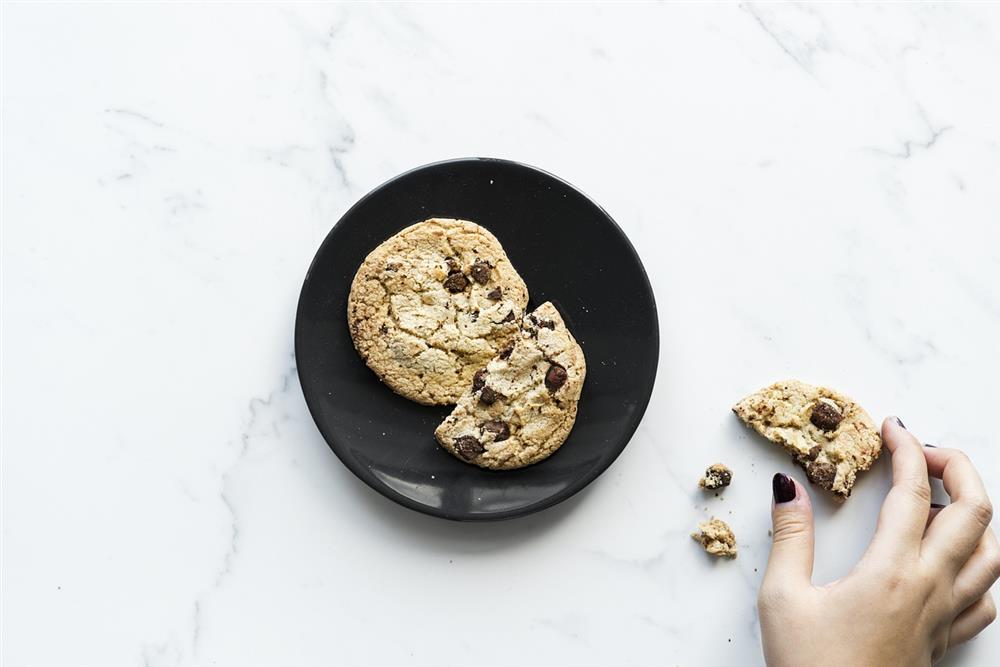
(432, 305)
(826, 433)
(520, 407)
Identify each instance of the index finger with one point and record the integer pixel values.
(956, 530)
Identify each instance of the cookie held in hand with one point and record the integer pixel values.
(827, 433)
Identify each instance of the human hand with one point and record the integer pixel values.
(921, 587)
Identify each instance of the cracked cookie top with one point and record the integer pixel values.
(521, 406)
(432, 305)
(826, 432)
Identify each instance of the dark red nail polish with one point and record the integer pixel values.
(937, 506)
(783, 488)
(900, 422)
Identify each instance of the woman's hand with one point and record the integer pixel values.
(922, 586)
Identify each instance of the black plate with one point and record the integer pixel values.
(569, 251)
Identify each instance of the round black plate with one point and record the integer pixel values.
(569, 251)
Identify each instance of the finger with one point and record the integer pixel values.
(973, 620)
(956, 531)
(935, 508)
(904, 513)
(791, 559)
(980, 572)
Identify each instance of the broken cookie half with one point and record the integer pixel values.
(827, 433)
(521, 407)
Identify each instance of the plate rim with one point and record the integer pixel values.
(391, 494)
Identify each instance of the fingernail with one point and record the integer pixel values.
(937, 506)
(783, 488)
(927, 444)
(900, 422)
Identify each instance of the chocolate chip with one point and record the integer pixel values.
(453, 266)
(393, 266)
(495, 295)
(821, 473)
(481, 272)
(725, 478)
(499, 429)
(547, 324)
(479, 379)
(489, 396)
(555, 377)
(826, 417)
(456, 283)
(814, 452)
(507, 351)
(384, 329)
(468, 447)
(509, 318)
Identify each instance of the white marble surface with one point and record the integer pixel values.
(813, 190)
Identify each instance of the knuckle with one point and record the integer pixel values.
(788, 528)
(893, 581)
(981, 510)
(920, 490)
(989, 610)
(992, 562)
(992, 571)
(901, 578)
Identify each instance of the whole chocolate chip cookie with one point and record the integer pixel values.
(432, 305)
(827, 433)
(521, 406)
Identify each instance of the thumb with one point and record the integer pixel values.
(791, 560)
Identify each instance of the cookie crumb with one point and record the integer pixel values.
(716, 476)
(716, 537)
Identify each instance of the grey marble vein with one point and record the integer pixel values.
(135, 114)
(934, 133)
(802, 63)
